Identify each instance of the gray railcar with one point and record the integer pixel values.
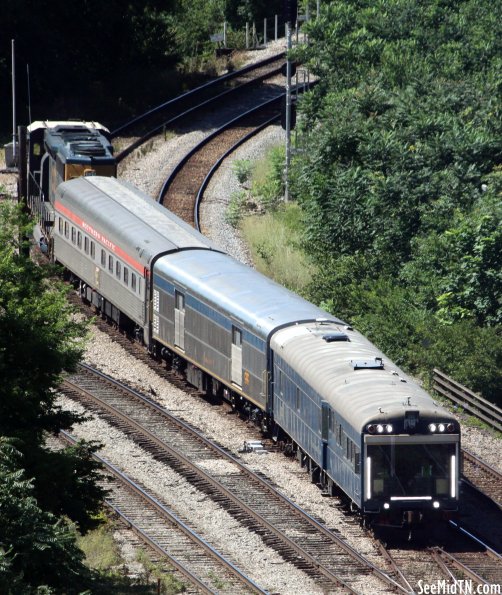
(109, 233)
(362, 423)
(219, 314)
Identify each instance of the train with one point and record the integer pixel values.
(315, 385)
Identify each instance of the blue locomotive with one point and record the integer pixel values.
(312, 382)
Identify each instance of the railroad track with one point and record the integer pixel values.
(218, 474)
(182, 190)
(462, 557)
(169, 537)
(231, 87)
(486, 479)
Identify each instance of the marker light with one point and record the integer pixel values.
(368, 478)
(435, 504)
(379, 428)
(371, 428)
(386, 506)
(450, 427)
(441, 427)
(389, 428)
(432, 427)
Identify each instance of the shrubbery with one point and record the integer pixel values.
(400, 179)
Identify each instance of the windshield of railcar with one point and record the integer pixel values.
(411, 469)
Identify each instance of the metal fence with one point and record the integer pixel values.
(467, 400)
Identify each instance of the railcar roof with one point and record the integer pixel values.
(127, 217)
(251, 298)
(348, 374)
(46, 124)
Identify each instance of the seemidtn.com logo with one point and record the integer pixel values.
(460, 587)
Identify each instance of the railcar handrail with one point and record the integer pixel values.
(468, 400)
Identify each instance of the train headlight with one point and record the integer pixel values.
(386, 506)
(435, 504)
(432, 427)
(388, 428)
(371, 428)
(441, 427)
(450, 427)
(379, 428)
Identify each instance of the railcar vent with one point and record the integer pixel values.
(371, 364)
(93, 147)
(337, 336)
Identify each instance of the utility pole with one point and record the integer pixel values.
(14, 151)
(290, 14)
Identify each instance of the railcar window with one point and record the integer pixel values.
(331, 420)
(86, 245)
(117, 269)
(338, 433)
(93, 249)
(103, 258)
(357, 461)
(236, 336)
(79, 239)
(110, 263)
(411, 469)
(126, 275)
(60, 225)
(139, 285)
(73, 235)
(66, 229)
(133, 281)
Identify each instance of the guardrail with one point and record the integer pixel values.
(471, 402)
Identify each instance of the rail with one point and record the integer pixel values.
(468, 400)
(194, 92)
(168, 514)
(237, 494)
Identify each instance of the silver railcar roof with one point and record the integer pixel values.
(128, 217)
(251, 298)
(336, 370)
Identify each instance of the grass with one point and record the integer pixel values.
(274, 242)
(103, 556)
(169, 584)
(101, 551)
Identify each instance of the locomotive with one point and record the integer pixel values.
(313, 383)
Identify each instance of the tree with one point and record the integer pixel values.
(399, 177)
(40, 339)
(36, 548)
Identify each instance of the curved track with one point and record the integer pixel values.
(231, 87)
(181, 192)
(221, 476)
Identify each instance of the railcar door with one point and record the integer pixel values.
(236, 356)
(179, 320)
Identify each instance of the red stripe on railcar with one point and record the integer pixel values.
(102, 239)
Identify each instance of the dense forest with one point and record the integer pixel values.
(399, 178)
(109, 60)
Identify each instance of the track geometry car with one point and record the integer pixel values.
(311, 381)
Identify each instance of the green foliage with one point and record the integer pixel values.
(268, 182)
(100, 549)
(400, 179)
(37, 548)
(235, 208)
(40, 339)
(274, 241)
(169, 584)
(242, 169)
